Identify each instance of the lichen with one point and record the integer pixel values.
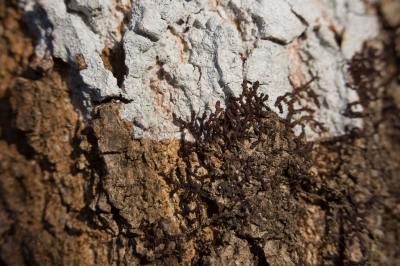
(245, 166)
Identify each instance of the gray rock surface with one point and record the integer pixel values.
(184, 56)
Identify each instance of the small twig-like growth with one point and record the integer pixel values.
(251, 142)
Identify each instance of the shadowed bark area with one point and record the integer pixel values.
(248, 191)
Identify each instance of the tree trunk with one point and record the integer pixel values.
(199, 132)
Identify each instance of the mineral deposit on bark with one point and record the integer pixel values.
(184, 56)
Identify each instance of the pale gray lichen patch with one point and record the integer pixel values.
(269, 64)
(83, 28)
(321, 55)
(360, 28)
(184, 56)
(147, 21)
(99, 15)
(270, 19)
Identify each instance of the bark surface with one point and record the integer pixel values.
(247, 192)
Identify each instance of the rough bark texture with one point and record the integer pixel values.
(247, 192)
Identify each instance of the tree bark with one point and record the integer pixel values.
(106, 157)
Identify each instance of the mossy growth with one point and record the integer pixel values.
(244, 170)
(247, 174)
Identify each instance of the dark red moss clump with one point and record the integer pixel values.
(246, 166)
